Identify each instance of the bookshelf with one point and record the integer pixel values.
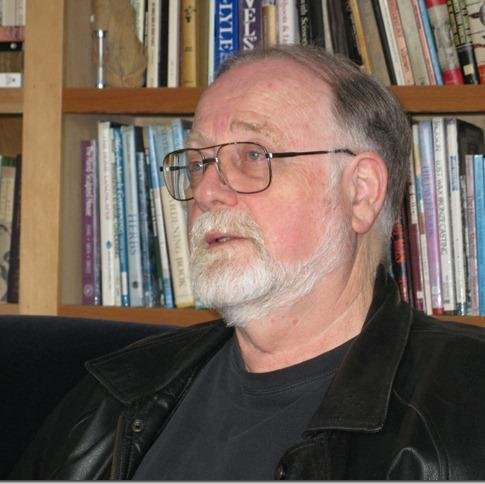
(57, 108)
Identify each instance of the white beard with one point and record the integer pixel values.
(246, 285)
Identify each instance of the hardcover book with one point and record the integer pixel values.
(288, 30)
(226, 31)
(250, 24)
(479, 187)
(477, 30)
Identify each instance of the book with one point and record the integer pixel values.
(205, 19)
(371, 38)
(473, 302)
(7, 190)
(159, 224)
(288, 30)
(188, 47)
(413, 43)
(460, 26)
(226, 36)
(110, 290)
(442, 198)
(401, 42)
(423, 244)
(431, 214)
(163, 44)
(132, 217)
(14, 261)
(139, 6)
(304, 23)
(477, 31)
(169, 138)
(457, 211)
(400, 258)
(479, 187)
(173, 45)
(11, 79)
(90, 272)
(12, 33)
(360, 36)
(317, 23)
(388, 37)
(153, 42)
(269, 18)
(415, 256)
(427, 40)
(121, 225)
(250, 24)
(443, 36)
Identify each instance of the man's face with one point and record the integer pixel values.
(279, 105)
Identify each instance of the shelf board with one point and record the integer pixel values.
(473, 320)
(176, 100)
(11, 100)
(179, 317)
(179, 100)
(9, 309)
(441, 99)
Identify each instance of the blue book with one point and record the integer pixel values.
(479, 180)
(159, 224)
(433, 53)
(135, 273)
(226, 35)
(121, 215)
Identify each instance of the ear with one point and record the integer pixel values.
(365, 181)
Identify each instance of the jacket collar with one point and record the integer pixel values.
(359, 395)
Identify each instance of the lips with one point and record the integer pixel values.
(217, 238)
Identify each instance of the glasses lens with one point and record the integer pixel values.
(180, 170)
(245, 166)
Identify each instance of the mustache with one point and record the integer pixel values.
(224, 220)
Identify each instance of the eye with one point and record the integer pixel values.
(196, 166)
(253, 155)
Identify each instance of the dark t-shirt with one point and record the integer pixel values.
(233, 424)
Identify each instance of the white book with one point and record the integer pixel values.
(288, 32)
(173, 51)
(327, 31)
(10, 79)
(457, 212)
(211, 46)
(169, 138)
(135, 271)
(391, 40)
(107, 215)
(20, 12)
(444, 214)
(153, 43)
(9, 12)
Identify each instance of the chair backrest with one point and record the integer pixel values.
(41, 358)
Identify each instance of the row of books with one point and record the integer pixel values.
(134, 239)
(12, 37)
(438, 243)
(10, 181)
(404, 42)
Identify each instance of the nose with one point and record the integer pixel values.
(212, 191)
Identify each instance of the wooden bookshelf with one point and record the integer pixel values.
(57, 107)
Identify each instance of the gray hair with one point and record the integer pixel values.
(365, 113)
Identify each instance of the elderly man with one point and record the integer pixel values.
(293, 174)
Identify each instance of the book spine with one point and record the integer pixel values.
(390, 36)
(139, 8)
(479, 182)
(250, 24)
(226, 31)
(413, 43)
(443, 212)
(471, 238)
(106, 214)
(12, 33)
(288, 32)
(173, 52)
(135, 275)
(269, 19)
(462, 38)
(14, 260)
(456, 211)
(153, 43)
(7, 190)
(160, 224)
(400, 256)
(401, 42)
(360, 36)
(431, 213)
(189, 44)
(163, 31)
(149, 292)
(304, 22)
(121, 215)
(89, 249)
(413, 238)
(477, 32)
(443, 36)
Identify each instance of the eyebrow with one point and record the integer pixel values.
(254, 127)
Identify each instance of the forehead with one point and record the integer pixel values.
(268, 95)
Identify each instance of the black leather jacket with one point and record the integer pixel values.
(408, 402)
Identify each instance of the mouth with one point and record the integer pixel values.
(216, 239)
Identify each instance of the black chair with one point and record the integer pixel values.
(42, 358)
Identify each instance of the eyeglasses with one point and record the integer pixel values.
(243, 166)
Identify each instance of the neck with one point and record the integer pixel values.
(331, 314)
